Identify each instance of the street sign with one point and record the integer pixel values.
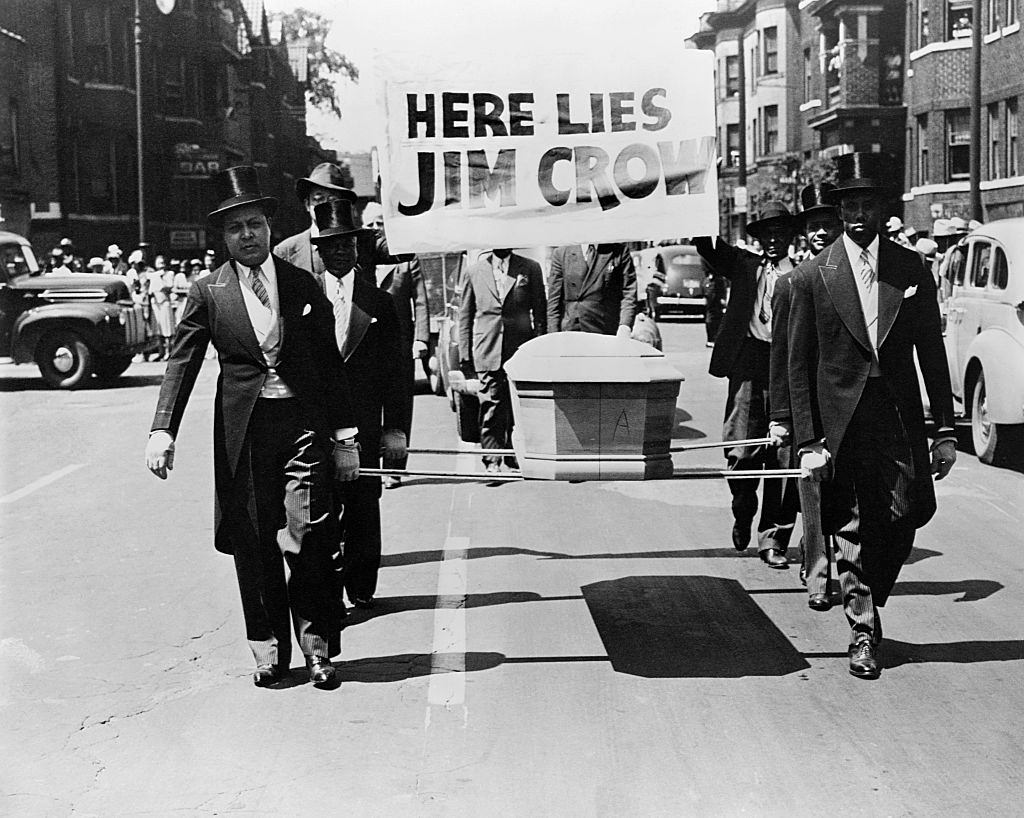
(196, 162)
(739, 198)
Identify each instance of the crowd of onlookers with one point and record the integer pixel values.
(160, 288)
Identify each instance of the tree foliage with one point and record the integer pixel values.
(326, 66)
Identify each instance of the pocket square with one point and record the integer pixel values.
(373, 319)
(307, 309)
(907, 293)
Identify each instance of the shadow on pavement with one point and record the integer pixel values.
(425, 602)
(896, 653)
(688, 627)
(419, 557)
(972, 589)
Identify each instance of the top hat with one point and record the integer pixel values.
(868, 172)
(812, 200)
(773, 212)
(240, 186)
(326, 175)
(337, 218)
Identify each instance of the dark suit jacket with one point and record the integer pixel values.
(830, 353)
(491, 330)
(740, 267)
(372, 250)
(404, 283)
(599, 299)
(373, 363)
(308, 362)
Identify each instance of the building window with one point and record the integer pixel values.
(96, 179)
(958, 144)
(1012, 148)
(771, 50)
(923, 169)
(808, 75)
(732, 145)
(771, 129)
(924, 33)
(100, 45)
(732, 76)
(994, 15)
(1011, 13)
(755, 137)
(994, 156)
(958, 19)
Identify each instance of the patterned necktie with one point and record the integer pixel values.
(867, 275)
(258, 288)
(770, 272)
(591, 255)
(341, 315)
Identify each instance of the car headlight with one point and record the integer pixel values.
(122, 319)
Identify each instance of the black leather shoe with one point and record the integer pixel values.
(321, 672)
(775, 558)
(269, 675)
(864, 659)
(819, 602)
(740, 535)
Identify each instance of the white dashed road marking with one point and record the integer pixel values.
(40, 483)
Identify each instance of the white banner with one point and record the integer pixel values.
(548, 149)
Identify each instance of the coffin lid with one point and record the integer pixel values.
(586, 357)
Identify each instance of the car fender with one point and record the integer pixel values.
(1002, 358)
(85, 318)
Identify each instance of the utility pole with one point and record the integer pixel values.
(138, 122)
(976, 209)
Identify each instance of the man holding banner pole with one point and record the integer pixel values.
(592, 288)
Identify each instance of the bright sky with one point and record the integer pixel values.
(492, 29)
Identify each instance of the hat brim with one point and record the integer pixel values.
(833, 197)
(268, 203)
(755, 227)
(814, 210)
(336, 232)
(303, 185)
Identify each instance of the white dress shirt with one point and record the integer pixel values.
(266, 324)
(867, 291)
(766, 278)
(499, 269)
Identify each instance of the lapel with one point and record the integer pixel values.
(592, 273)
(514, 263)
(227, 293)
(389, 277)
(487, 272)
(837, 275)
(892, 281)
(359, 318)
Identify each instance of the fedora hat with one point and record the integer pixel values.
(862, 172)
(236, 187)
(773, 212)
(812, 200)
(337, 218)
(326, 175)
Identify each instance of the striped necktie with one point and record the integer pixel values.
(867, 275)
(258, 288)
(341, 315)
(766, 287)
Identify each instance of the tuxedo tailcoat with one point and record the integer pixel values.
(599, 297)
(373, 356)
(372, 250)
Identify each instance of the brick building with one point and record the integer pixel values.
(217, 90)
(14, 101)
(938, 92)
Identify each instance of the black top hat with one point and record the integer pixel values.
(239, 186)
(326, 175)
(812, 200)
(337, 218)
(866, 172)
(773, 212)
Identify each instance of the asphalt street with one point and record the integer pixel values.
(539, 648)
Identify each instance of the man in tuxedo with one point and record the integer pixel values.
(367, 335)
(820, 224)
(859, 311)
(326, 183)
(282, 418)
(405, 284)
(592, 288)
(502, 308)
(742, 354)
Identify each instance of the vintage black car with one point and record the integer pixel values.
(71, 326)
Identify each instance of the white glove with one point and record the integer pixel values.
(779, 432)
(160, 453)
(815, 463)
(623, 332)
(393, 446)
(419, 349)
(346, 461)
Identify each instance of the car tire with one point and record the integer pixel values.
(64, 359)
(113, 366)
(994, 443)
(467, 418)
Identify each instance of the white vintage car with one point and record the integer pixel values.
(985, 337)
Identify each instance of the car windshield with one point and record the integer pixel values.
(17, 260)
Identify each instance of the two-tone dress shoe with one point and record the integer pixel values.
(269, 675)
(819, 602)
(864, 659)
(321, 672)
(740, 535)
(775, 558)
